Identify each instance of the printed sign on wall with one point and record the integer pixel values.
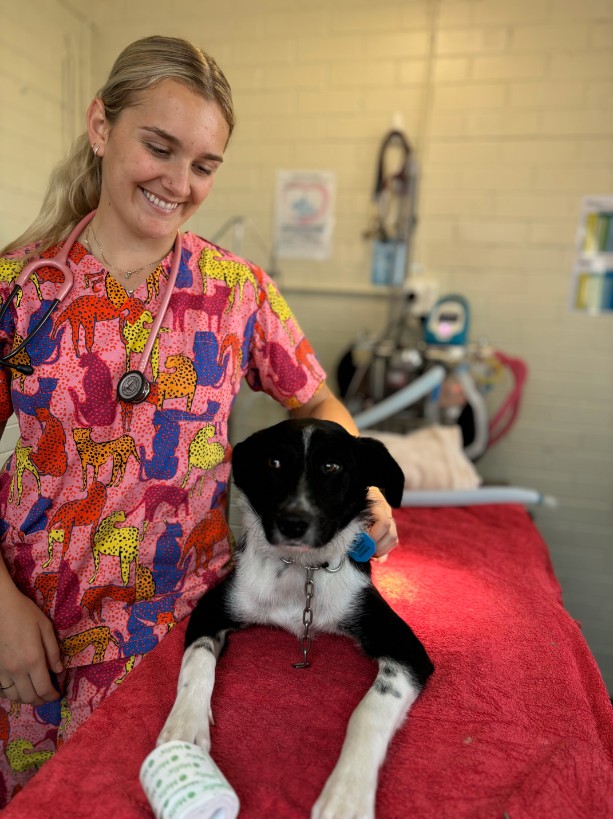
(304, 214)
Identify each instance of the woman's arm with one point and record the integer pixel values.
(326, 406)
(28, 646)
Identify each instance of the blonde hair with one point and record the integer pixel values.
(75, 183)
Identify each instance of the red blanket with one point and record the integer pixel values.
(515, 720)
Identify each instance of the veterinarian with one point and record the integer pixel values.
(113, 511)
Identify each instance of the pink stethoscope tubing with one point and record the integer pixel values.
(60, 262)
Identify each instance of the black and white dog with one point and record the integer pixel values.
(305, 487)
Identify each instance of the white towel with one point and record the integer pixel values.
(431, 458)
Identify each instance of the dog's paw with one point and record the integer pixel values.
(181, 727)
(346, 795)
(174, 730)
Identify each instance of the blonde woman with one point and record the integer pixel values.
(112, 519)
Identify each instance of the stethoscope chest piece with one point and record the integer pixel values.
(133, 387)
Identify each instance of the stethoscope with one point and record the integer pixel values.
(391, 191)
(133, 387)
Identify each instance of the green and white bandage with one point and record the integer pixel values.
(182, 782)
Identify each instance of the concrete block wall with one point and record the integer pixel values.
(507, 105)
(45, 78)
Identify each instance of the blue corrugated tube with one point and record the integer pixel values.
(403, 398)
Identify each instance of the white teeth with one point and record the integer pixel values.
(159, 202)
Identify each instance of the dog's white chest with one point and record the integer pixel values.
(272, 592)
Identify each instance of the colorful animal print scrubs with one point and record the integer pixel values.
(112, 515)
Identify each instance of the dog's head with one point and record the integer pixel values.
(307, 481)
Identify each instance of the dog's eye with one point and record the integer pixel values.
(274, 463)
(330, 468)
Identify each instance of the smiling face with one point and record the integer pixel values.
(159, 161)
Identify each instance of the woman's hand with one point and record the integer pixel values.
(28, 649)
(383, 531)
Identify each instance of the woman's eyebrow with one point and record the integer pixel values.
(173, 140)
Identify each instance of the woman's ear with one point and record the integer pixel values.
(98, 128)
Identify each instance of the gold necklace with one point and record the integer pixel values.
(127, 273)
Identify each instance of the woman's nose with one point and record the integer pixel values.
(177, 180)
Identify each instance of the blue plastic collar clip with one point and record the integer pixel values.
(363, 548)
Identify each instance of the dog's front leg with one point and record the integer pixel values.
(404, 667)
(351, 789)
(205, 636)
(191, 712)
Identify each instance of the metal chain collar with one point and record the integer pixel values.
(307, 614)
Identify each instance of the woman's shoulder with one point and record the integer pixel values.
(19, 253)
(206, 253)
(13, 262)
(19, 256)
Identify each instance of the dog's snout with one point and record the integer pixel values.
(292, 525)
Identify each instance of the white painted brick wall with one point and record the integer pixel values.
(45, 67)
(512, 123)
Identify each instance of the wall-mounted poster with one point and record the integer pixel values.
(592, 290)
(304, 214)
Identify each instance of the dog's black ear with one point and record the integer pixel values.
(379, 469)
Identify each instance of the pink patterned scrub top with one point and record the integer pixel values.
(112, 515)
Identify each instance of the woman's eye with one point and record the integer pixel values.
(201, 169)
(274, 463)
(156, 150)
(330, 468)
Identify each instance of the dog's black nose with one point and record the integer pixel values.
(292, 526)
